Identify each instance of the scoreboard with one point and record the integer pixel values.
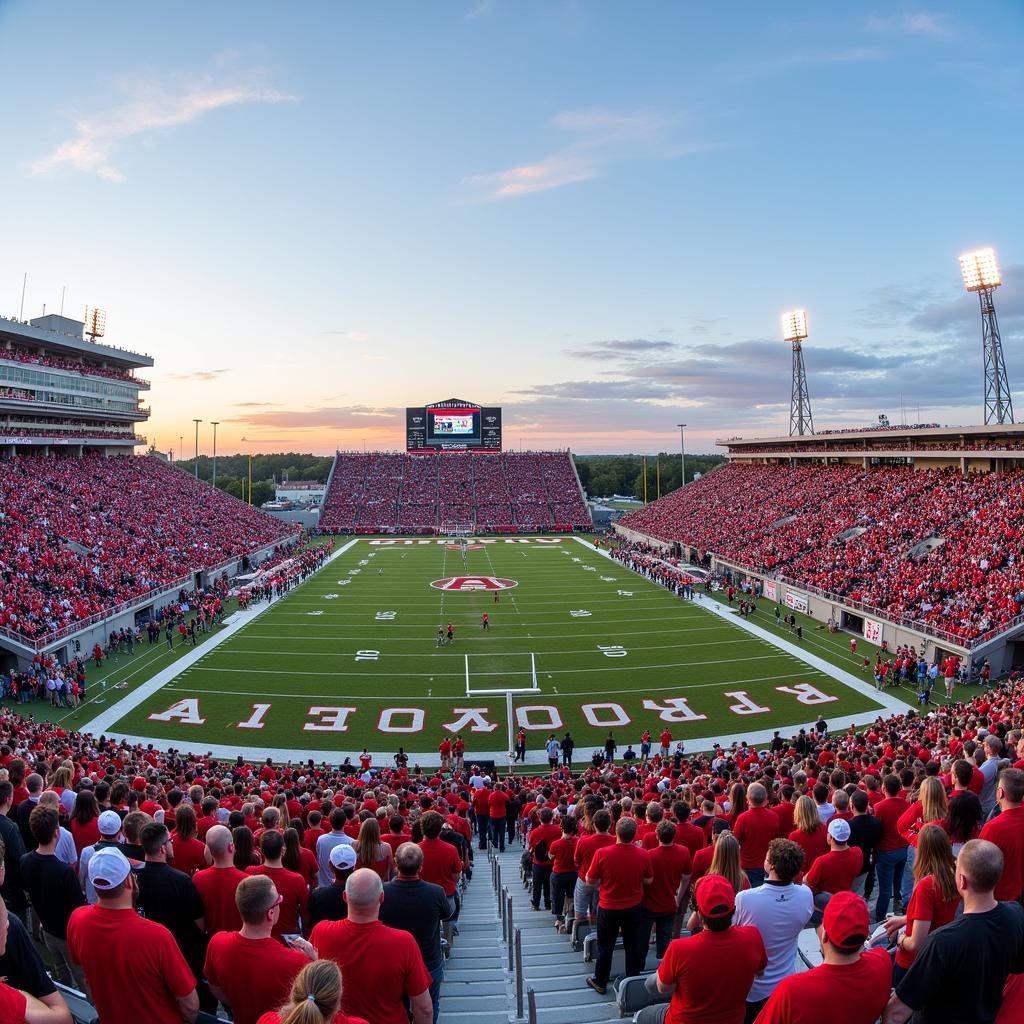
(453, 425)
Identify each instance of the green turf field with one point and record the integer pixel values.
(608, 649)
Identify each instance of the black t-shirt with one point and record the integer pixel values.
(53, 888)
(21, 965)
(170, 898)
(865, 832)
(326, 904)
(417, 907)
(14, 850)
(959, 973)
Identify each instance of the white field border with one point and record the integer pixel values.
(117, 711)
(500, 691)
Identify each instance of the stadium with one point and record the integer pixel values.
(398, 719)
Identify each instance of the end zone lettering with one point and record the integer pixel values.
(531, 717)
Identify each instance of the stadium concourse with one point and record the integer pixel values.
(514, 492)
(851, 531)
(79, 536)
(745, 851)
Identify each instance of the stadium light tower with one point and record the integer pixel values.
(794, 330)
(215, 424)
(682, 454)
(981, 275)
(197, 422)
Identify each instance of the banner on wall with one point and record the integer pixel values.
(798, 602)
(771, 590)
(872, 631)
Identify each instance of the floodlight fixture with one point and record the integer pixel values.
(794, 325)
(95, 322)
(980, 270)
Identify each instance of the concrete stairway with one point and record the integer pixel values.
(539, 979)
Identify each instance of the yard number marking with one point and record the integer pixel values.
(579, 613)
(613, 650)
(367, 655)
(385, 616)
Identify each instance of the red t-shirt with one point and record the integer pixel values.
(1007, 832)
(255, 975)
(562, 853)
(755, 829)
(668, 865)
(889, 812)
(814, 844)
(784, 812)
(837, 993)
(217, 891)
(379, 965)
(690, 836)
(496, 803)
(440, 862)
(396, 841)
(712, 972)
(293, 888)
(189, 854)
(620, 871)
(926, 904)
(136, 971)
(12, 1005)
(586, 847)
(540, 834)
(835, 871)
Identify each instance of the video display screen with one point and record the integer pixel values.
(453, 425)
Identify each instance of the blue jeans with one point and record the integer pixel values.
(889, 871)
(755, 876)
(436, 977)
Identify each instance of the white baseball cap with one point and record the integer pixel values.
(109, 823)
(839, 829)
(343, 856)
(108, 867)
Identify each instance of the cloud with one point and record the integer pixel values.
(151, 106)
(198, 375)
(624, 348)
(338, 417)
(254, 405)
(914, 23)
(600, 138)
(360, 336)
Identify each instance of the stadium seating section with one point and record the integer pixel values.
(79, 536)
(516, 491)
(851, 532)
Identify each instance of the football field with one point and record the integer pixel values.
(352, 659)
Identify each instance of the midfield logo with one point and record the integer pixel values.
(474, 583)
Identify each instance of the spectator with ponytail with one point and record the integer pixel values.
(315, 998)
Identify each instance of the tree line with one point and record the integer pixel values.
(605, 475)
(267, 471)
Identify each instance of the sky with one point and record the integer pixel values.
(589, 213)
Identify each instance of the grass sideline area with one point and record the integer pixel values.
(361, 636)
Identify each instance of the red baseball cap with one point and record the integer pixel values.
(715, 897)
(845, 921)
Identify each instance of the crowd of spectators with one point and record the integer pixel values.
(61, 430)
(906, 834)
(853, 533)
(389, 492)
(20, 355)
(79, 536)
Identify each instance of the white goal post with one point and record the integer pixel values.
(500, 691)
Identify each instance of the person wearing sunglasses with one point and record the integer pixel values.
(249, 970)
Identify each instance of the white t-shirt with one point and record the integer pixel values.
(779, 912)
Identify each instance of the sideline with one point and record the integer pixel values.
(239, 619)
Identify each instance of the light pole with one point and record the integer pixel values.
(197, 422)
(181, 447)
(682, 454)
(981, 275)
(215, 424)
(794, 330)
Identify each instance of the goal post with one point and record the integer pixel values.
(496, 679)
